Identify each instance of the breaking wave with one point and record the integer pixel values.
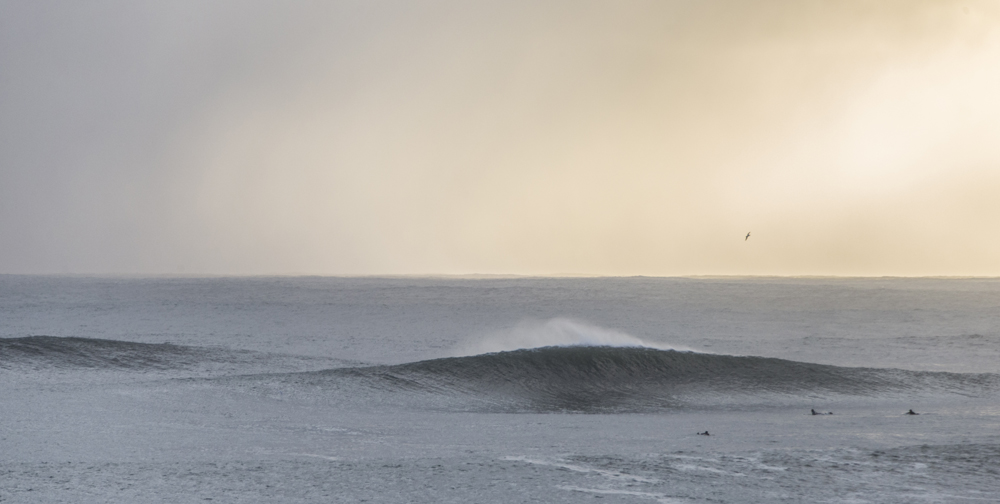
(619, 379)
(574, 377)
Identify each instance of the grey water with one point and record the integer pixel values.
(317, 389)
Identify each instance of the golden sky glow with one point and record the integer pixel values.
(607, 138)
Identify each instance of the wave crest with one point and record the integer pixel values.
(556, 332)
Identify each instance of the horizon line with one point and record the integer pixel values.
(489, 276)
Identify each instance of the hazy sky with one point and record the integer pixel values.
(535, 137)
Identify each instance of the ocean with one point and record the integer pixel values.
(499, 390)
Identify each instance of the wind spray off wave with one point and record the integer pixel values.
(557, 332)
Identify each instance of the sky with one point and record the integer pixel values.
(371, 137)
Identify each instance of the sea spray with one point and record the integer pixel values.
(555, 332)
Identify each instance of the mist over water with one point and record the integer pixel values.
(387, 137)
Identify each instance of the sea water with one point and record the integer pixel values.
(306, 389)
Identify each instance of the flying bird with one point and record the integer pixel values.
(747, 238)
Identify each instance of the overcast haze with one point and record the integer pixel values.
(608, 138)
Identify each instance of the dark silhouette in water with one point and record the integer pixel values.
(814, 412)
(911, 412)
(704, 433)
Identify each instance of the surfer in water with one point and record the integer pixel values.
(911, 412)
(814, 412)
(704, 433)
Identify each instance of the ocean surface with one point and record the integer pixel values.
(499, 390)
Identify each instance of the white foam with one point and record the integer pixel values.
(317, 455)
(658, 497)
(555, 332)
(617, 475)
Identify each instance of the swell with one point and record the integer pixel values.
(576, 378)
(68, 352)
(42, 353)
(598, 379)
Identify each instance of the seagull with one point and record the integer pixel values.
(747, 238)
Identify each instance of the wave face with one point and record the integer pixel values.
(610, 379)
(68, 353)
(59, 352)
(550, 379)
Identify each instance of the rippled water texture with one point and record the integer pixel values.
(499, 390)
